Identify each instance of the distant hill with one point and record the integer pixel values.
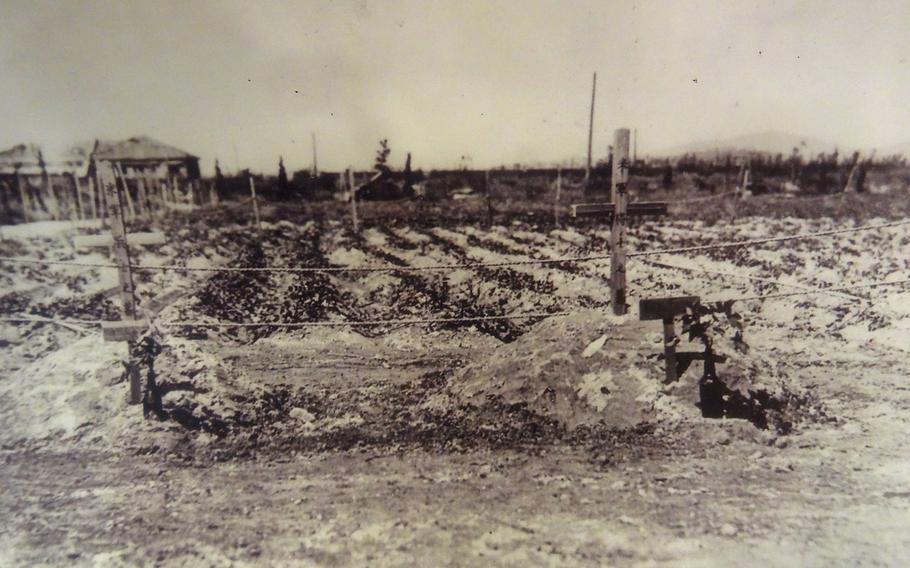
(764, 142)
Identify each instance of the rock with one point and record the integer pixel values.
(727, 529)
(301, 414)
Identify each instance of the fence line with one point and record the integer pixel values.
(800, 236)
(416, 321)
(456, 266)
(824, 290)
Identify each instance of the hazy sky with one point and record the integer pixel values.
(499, 81)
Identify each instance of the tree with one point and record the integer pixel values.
(382, 156)
(282, 175)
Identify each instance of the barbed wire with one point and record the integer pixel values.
(800, 236)
(418, 321)
(823, 290)
(454, 266)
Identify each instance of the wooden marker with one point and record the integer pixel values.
(115, 203)
(620, 181)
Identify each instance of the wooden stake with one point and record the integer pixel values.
(669, 350)
(591, 130)
(556, 197)
(255, 201)
(486, 187)
(115, 200)
(620, 180)
(23, 195)
(143, 193)
(77, 185)
(353, 189)
(118, 170)
(315, 166)
(94, 197)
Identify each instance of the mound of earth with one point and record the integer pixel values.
(592, 369)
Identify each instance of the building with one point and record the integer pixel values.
(34, 185)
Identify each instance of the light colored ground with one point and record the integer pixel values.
(830, 495)
(834, 493)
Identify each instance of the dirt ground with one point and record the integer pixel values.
(324, 447)
(710, 493)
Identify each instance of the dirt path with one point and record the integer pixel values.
(834, 493)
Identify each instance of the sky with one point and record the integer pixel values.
(495, 82)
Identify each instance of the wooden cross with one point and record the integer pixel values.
(667, 309)
(618, 212)
(131, 327)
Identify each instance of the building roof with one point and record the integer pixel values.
(21, 155)
(139, 148)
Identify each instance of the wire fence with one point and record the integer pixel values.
(801, 289)
(457, 266)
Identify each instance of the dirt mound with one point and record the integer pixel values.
(75, 395)
(597, 370)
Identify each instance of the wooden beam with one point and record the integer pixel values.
(636, 209)
(126, 330)
(134, 239)
(660, 308)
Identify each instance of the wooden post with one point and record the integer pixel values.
(131, 207)
(353, 189)
(669, 349)
(23, 195)
(556, 197)
(667, 309)
(620, 180)
(80, 211)
(115, 201)
(315, 166)
(590, 130)
(143, 193)
(93, 196)
(255, 201)
(486, 189)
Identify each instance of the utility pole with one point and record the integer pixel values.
(634, 145)
(591, 130)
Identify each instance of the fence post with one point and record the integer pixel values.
(353, 189)
(486, 188)
(620, 180)
(23, 195)
(115, 204)
(255, 201)
(81, 213)
(556, 198)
